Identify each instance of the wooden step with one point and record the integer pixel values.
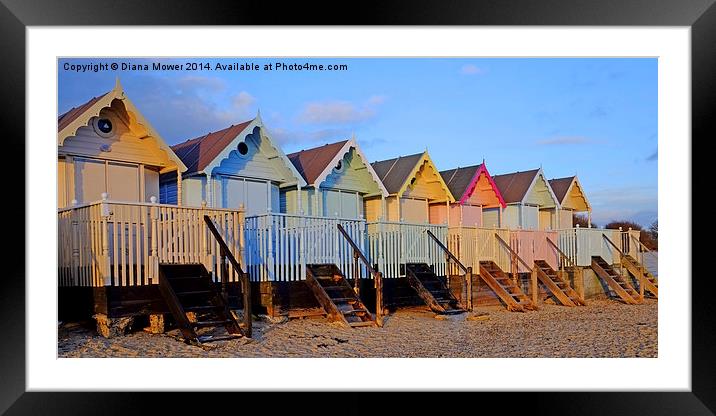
(194, 292)
(203, 297)
(429, 287)
(361, 324)
(211, 338)
(197, 308)
(206, 324)
(337, 297)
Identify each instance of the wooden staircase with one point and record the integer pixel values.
(637, 270)
(432, 290)
(616, 282)
(189, 288)
(336, 296)
(506, 289)
(556, 285)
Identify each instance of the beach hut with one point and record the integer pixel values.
(414, 185)
(571, 199)
(105, 146)
(477, 197)
(114, 239)
(529, 199)
(338, 178)
(236, 166)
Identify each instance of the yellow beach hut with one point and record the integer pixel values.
(572, 199)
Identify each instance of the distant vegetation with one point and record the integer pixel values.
(582, 221)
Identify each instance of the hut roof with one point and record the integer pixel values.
(311, 163)
(560, 187)
(69, 122)
(461, 181)
(394, 173)
(564, 187)
(397, 173)
(515, 186)
(73, 113)
(199, 152)
(316, 164)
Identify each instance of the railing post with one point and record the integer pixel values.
(356, 273)
(74, 241)
(302, 248)
(241, 237)
(208, 260)
(224, 275)
(154, 238)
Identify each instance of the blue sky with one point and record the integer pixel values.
(595, 117)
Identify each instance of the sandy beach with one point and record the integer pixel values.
(604, 328)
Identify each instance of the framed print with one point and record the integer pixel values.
(462, 198)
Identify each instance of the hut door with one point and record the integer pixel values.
(414, 210)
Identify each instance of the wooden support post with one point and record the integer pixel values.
(535, 285)
(379, 299)
(468, 277)
(246, 291)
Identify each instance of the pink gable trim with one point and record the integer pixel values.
(473, 183)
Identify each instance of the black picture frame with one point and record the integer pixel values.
(15, 15)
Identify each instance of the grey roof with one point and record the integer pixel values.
(514, 186)
(459, 179)
(560, 186)
(395, 172)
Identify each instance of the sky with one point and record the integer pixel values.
(594, 117)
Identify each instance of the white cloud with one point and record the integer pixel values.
(243, 100)
(470, 69)
(565, 140)
(377, 100)
(335, 112)
(284, 136)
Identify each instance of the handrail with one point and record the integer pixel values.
(613, 245)
(468, 272)
(144, 204)
(318, 217)
(377, 276)
(513, 252)
(561, 253)
(648, 250)
(447, 252)
(225, 252)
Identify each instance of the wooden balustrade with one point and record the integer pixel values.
(117, 243)
(580, 244)
(393, 244)
(279, 246)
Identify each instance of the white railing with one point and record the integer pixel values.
(580, 244)
(532, 245)
(474, 244)
(116, 243)
(471, 245)
(393, 244)
(628, 245)
(278, 246)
